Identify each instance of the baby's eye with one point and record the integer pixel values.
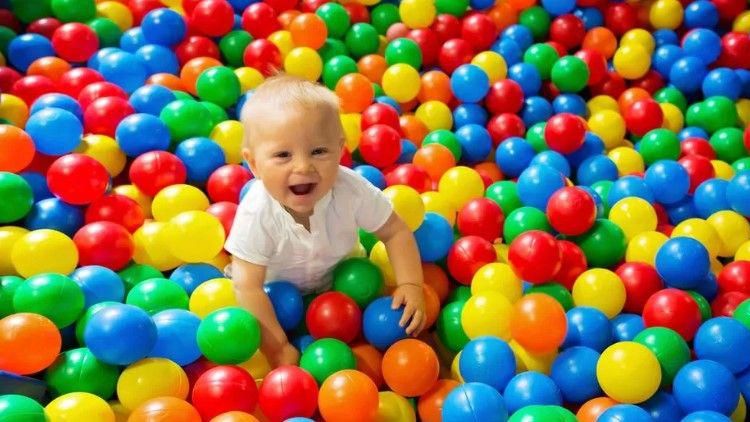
(282, 154)
(319, 151)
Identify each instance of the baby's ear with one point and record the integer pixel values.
(249, 158)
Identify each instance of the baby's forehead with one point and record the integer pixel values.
(294, 116)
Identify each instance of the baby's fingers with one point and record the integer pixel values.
(416, 324)
(409, 311)
(398, 300)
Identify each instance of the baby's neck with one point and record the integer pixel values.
(303, 219)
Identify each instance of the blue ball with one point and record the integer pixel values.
(132, 39)
(665, 37)
(706, 416)
(668, 181)
(24, 49)
(570, 103)
(710, 197)
(519, 34)
(588, 327)
(380, 323)
(574, 372)
(60, 101)
(126, 70)
(509, 49)
(54, 131)
(744, 76)
(530, 388)
(472, 402)
(99, 284)
(372, 174)
(120, 334)
(246, 188)
(481, 4)
(720, 339)
(434, 237)
(38, 184)
(476, 143)
(702, 43)
(301, 342)
(662, 407)
(151, 99)
(553, 159)
(176, 331)
(465, 114)
(408, 149)
(97, 57)
(514, 155)
(190, 276)
(239, 6)
(701, 14)
(687, 74)
(158, 59)
(591, 17)
(558, 7)
(681, 210)
(164, 27)
(592, 145)
(469, 83)
(384, 99)
(597, 201)
(535, 109)
(706, 385)
(596, 168)
(201, 157)
(488, 360)
(54, 214)
(628, 186)
(738, 192)
(666, 56)
(692, 132)
(682, 262)
(527, 76)
(140, 133)
(626, 326)
(709, 287)
(287, 303)
(624, 412)
(537, 184)
(722, 81)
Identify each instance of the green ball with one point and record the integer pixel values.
(325, 357)
(535, 137)
(403, 50)
(186, 119)
(6, 36)
(557, 291)
(135, 273)
(456, 8)
(659, 144)
(78, 370)
(741, 164)
(459, 294)
(217, 114)
(74, 10)
(672, 96)
(378, 90)
(336, 68)
(8, 286)
(336, 19)
(218, 85)
(54, 296)
(728, 144)
(542, 56)
(17, 197)
(228, 336)
(522, 220)
(28, 11)
(182, 95)
(449, 329)
(742, 313)
(359, 279)
(718, 113)
(107, 31)
(703, 304)
(367, 239)
(604, 245)
(445, 138)
(383, 16)
(695, 115)
(362, 39)
(332, 48)
(542, 413)
(156, 295)
(537, 20)
(82, 321)
(602, 189)
(505, 194)
(670, 350)
(232, 47)
(18, 408)
(570, 74)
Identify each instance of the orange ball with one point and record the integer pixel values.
(16, 149)
(308, 30)
(432, 305)
(503, 15)
(29, 343)
(413, 129)
(410, 367)
(602, 40)
(630, 96)
(347, 393)
(520, 5)
(286, 18)
(436, 86)
(538, 323)
(435, 277)
(355, 92)
(435, 159)
(591, 410)
(193, 69)
(373, 66)
(490, 171)
(167, 80)
(369, 362)
(51, 67)
(165, 409)
(235, 416)
(430, 404)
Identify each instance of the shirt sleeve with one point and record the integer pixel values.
(250, 239)
(373, 207)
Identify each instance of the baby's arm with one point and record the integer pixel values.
(248, 281)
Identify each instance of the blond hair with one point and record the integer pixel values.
(281, 92)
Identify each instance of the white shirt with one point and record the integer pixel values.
(263, 233)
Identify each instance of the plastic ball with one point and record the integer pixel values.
(79, 405)
(675, 254)
(32, 254)
(18, 407)
(706, 385)
(219, 326)
(380, 323)
(574, 372)
(571, 211)
(531, 388)
(283, 383)
(673, 309)
(484, 356)
(417, 357)
(222, 389)
(631, 61)
(467, 255)
(163, 377)
(535, 256)
(717, 336)
(195, 236)
(538, 323)
(628, 372)
(175, 331)
(54, 131)
(481, 313)
(120, 334)
(434, 237)
(347, 392)
(472, 401)
(30, 341)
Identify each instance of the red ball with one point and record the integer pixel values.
(224, 211)
(262, 55)
(643, 116)
(8, 19)
(74, 80)
(735, 277)
(282, 5)
(428, 42)
(77, 179)
(310, 6)
(564, 133)
(104, 243)
(212, 18)
(410, 175)
(675, 309)
(620, 18)
(479, 30)
(504, 126)
(613, 85)
(571, 211)
(97, 90)
(447, 27)
(29, 88)
(155, 170)
(651, 82)
(568, 30)
(104, 114)
(641, 281)
(481, 217)
(75, 42)
(535, 256)
(334, 315)
(729, 9)
(700, 146)
(596, 64)
(559, 48)
(357, 13)
(139, 8)
(573, 263)
(380, 114)
(726, 302)
(699, 169)
(467, 255)
(224, 389)
(504, 96)
(286, 392)
(226, 182)
(734, 47)
(454, 53)
(259, 19)
(118, 209)
(380, 145)
(45, 27)
(8, 77)
(196, 369)
(196, 46)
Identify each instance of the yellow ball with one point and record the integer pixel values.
(601, 289)
(195, 236)
(76, 407)
(641, 37)
(249, 78)
(602, 102)
(742, 22)
(417, 13)
(401, 82)
(497, 277)
(44, 251)
(228, 135)
(435, 115)
(493, 65)
(501, 252)
(716, 265)
(351, 122)
(220, 261)
(525, 361)
(283, 40)
(14, 110)
(701, 231)
(632, 60)
(633, 215)
(121, 412)
(722, 169)
(740, 412)
(733, 230)
(132, 192)
(644, 246)
(304, 62)
(665, 14)
(609, 126)
(439, 204)
(743, 110)
(105, 150)
(673, 118)
(152, 246)
(394, 408)
(407, 204)
(487, 314)
(379, 257)
(212, 295)
(151, 378)
(455, 371)
(461, 184)
(627, 160)
(257, 365)
(117, 13)
(176, 199)
(9, 235)
(628, 372)
(742, 254)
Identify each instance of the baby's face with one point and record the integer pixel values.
(297, 157)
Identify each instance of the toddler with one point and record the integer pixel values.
(300, 217)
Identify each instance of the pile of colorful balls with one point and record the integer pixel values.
(576, 174)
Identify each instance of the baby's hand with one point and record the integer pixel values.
(410, 295)
(288, 355)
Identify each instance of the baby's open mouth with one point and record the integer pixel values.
(302, 189)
